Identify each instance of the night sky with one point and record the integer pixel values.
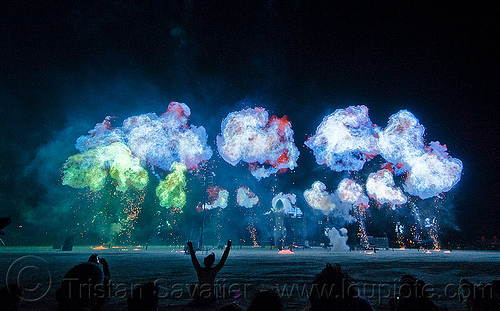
(65, 65)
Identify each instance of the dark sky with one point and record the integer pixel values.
(65, 65)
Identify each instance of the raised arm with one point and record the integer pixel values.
(194, 260)
(224, 256)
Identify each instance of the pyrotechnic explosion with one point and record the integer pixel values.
(90, 168)
(402, 139)
(351, 192)
(166, 142)
(157, 141)
(344, 140)
(318, 198)
(433, 172)
(347, 139)
(380, 186)
(171, 190)
(266, 144)
(286, 207)
(217, 198)
(246, 198)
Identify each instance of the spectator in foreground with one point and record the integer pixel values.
(332, 290)
(85, 286)
(480, 297)
(412, 296)
(266, 300)
(204, 294)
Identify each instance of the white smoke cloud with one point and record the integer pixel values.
(246, 198)
(157, 141)
(432, 172)
(338, 239)
(266, 144)
(328, 203)
(344, 140)
(381, 187)
(402, 139)
(351, 192)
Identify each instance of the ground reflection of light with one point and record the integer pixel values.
(100, 247)
(286, 252)
(447, 252)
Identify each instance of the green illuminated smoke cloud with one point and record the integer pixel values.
(171, 190)
(90, 169)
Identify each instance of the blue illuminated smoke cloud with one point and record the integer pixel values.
(346, 139)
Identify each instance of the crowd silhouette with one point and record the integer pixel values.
(87, 286)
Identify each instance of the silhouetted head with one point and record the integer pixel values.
(144, 298)
(10, 297)
(411, 287)
(266, 300)
(81, 287)
(209, 260)
(332, 290)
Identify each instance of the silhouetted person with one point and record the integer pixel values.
(332, 290)
(85, 286)
(204, 295)
(412, 296)
(266, 300)
(144, 298)
(10, 297)
(480, 297)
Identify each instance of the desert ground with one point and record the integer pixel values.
(376, 274)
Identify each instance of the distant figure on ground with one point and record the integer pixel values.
(266, 300)
(480, 297)
(332, 290)
(144, 298)
(412, 296)
(85, 286)
(204, 294)
(10, 297)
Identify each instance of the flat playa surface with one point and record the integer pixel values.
(41, 270)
